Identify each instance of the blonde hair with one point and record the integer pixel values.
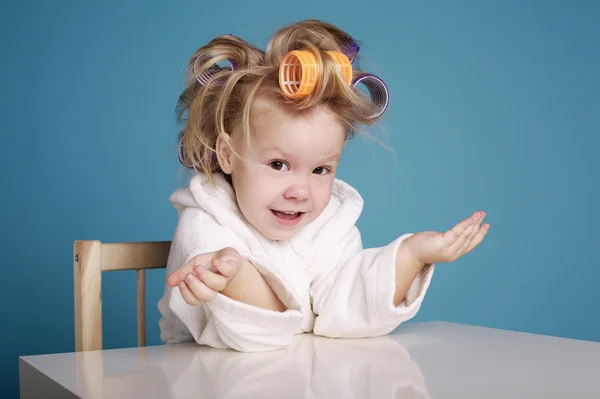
(223, 103)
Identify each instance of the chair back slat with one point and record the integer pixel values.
(141, 307)
(135, 255)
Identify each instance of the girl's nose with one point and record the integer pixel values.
(298, 191)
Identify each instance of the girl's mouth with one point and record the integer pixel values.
(287, 218)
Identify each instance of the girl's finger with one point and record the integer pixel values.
(179, 275)
(461, 250)
(454, 247)
(457, 231)
(187, 295)
(226, 267)
(451, 250)
(458, 251)
(227, 253)
(214, 281)
(199, 289)
(478, 238)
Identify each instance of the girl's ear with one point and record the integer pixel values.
(224, 155)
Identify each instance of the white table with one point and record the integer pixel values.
(418, 360)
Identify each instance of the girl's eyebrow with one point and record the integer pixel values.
(276, 149)
(333, 157)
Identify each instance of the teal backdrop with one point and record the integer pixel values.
(494, 106)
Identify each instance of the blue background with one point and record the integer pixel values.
(494, 106)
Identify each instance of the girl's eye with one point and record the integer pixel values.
(278, 165)
(321, 170)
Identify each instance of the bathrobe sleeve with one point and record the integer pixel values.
(223, 322)
(354, 288)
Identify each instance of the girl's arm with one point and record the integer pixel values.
(250, 287)
(407, 269)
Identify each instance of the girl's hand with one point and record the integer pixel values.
(429, 247)
(201, 278)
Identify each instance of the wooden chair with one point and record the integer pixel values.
(91, 258)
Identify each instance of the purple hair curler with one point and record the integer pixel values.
(378, 91)
(183, 161)
(204, 77)
(350, 50)
(181, 155)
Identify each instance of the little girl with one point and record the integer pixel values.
(266, 244)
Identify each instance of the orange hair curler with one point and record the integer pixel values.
(298, 71)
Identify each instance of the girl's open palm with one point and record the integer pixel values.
(433, 247)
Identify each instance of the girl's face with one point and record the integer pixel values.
(284, 179)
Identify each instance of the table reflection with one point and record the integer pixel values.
(313, 367)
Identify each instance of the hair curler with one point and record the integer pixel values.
(182, 158)
(184, 161)
(378, 91)
(205, 76)
(298, 71)
(350, 50)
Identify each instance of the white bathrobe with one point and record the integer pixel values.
(330, 285)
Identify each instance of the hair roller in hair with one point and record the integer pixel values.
(205, 76)
(298, 72)
(184, 161)
(182, 158)
(344, 63)
(378, 91)
(350, 50)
